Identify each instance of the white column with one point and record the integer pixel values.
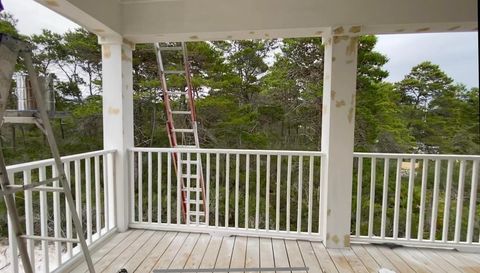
(117, 83)
(338, 119)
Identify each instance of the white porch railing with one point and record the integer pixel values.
(262, 192)
(429, 200)
(91, 180)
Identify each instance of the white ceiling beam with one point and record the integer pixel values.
(173, 20)
(100, 17)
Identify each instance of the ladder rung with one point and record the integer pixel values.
(17, 188)
(186, 146)
(194, 202)
(174, 72)
(184, 130)
(191, 176)
(196, 213)
(193, 162)
(182, 112)
(168, 48)
(192, 189)
(177, 92)
(53, 239)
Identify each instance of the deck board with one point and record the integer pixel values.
(142, 251)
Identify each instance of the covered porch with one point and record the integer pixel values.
(264, 208)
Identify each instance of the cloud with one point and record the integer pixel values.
(455, 53)
(33, 17)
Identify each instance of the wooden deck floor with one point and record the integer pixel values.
(144, 250)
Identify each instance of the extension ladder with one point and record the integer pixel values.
(10, 50)
(188, 169)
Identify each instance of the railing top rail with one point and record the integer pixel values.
(50, 161)
(228, 151)
(420, 156)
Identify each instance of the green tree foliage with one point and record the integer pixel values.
(264, 94)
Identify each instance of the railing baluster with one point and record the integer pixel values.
(247, 190)
(56, 217)
(88, 192)
(207, 202)
(29, 220)
(159, 187)
(78, 189)
(199, 179)
(149, 177)
(446, 210)
(277, 195)
(186, 203)
(411, 180)
(179, 188)
(169, 187)
(433, 225)
(267, 194)
(372, 197)
(98, 222)
(386, 169)
(460, 192)
(111, 189)
(68, 214)
(396, 210)
(140, 186)
(227, 189)
(12, 241)
(257, 194)
(359, 196)
(289, 180)
(132, 186)
(310, 193)
(105, 192)
(44, 220)
(423, 193)
(237, 186)
(299, 194)
(473, 202)
(217, 187)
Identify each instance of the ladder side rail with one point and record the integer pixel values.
(189, 84)
(166, 97)
(56, 155)
(9, 51)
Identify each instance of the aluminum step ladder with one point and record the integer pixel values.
(10, 50)
(188, 166)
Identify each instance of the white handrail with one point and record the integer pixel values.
(93, 187)
(446, 186)
(236, 195)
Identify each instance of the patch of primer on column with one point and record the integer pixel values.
(346, 240)
(351, 111)
(113, 110)
(340, 103)
(106, 51)
(338, 30)
(355, 29)
(352, 45)
(335, 239)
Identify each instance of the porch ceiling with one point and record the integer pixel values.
(173, 20)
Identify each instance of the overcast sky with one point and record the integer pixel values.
(456, 53)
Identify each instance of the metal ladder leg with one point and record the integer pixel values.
(56, 155)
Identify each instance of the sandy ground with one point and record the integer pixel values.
(6, 257)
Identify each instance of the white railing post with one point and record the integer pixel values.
(339, 85)
(118, 116)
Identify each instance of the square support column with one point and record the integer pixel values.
(338, 123)
(117, 84)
